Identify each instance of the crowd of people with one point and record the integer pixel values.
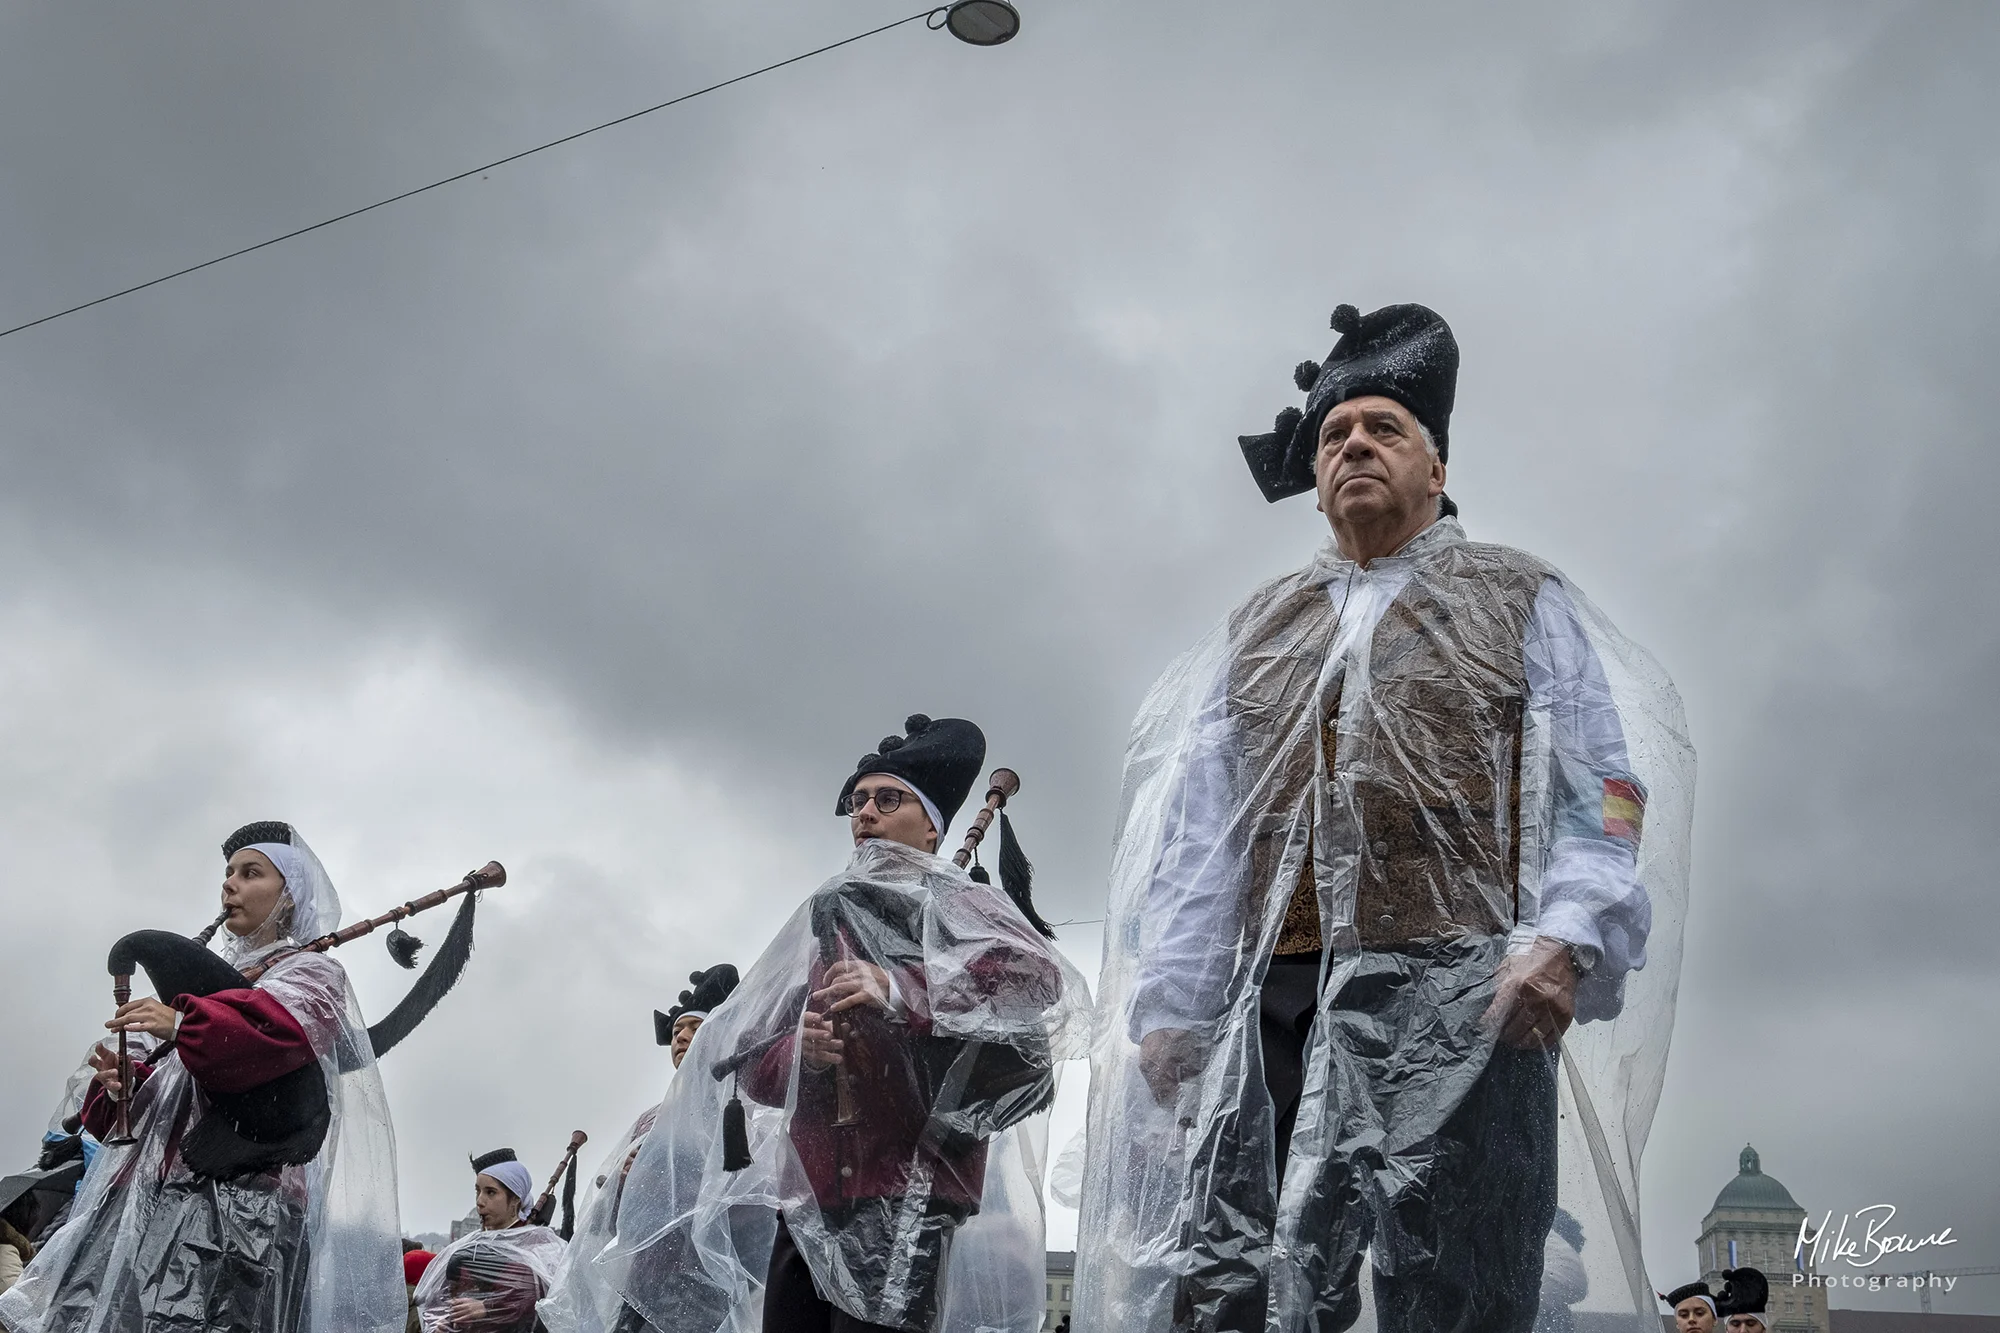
(1392, 939)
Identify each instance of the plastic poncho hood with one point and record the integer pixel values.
(150, 1245)
(934, 1136)
(1398, 778)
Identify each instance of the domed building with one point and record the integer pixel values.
(1755, 1223)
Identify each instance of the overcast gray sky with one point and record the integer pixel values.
(595, 515)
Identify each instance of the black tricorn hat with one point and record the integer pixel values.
(1744, 1291)
(706, 990)
(1404, 352)
(1679, 1294)
(494, 1158)
(940, 757)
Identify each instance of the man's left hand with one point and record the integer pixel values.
(850, 984)
(1534, 1000)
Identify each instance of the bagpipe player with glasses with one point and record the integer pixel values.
(907, 1017)
(247, 1182)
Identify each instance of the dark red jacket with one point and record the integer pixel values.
(508, 1289)
(885, 1055)
(230, 1041)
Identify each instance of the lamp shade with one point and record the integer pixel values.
(983, 22)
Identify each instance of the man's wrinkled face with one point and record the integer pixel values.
(1693, 1316)
(1373, 465)
(907, 823)
(684, 1029)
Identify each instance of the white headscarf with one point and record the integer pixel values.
(315, 905)
(516, 1178)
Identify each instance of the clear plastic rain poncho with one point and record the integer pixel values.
(1355, 815)
(596, 1224)
(489, 1281)
(903, 1174)
(299, 1249)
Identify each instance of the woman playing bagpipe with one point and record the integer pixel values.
(487, 1281)
(905, 1019)
(247, 1182)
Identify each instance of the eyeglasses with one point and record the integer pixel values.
(887, 799)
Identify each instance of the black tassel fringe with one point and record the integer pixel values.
(1017, 876)
(446, 965)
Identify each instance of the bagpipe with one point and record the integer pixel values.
(972, 1088)
(284, 1121)
(544, 1210)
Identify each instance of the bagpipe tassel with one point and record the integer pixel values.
(735, 1133)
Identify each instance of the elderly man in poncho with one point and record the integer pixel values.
(1389, 830)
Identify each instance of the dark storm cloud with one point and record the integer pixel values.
(910, 378)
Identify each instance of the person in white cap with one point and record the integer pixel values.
(488, 1281)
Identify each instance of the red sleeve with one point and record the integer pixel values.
(233, 1040)
(914, 1000)
(767, 1078)
(100, 1112)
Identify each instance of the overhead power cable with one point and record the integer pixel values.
(933, 16)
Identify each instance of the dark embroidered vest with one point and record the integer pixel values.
(1427, 764)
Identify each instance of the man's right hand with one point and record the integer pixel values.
(822, 1049)
(1168, 1057)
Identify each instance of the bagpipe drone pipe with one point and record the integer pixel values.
(285, 1120)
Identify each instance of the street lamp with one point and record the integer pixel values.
(982, 22)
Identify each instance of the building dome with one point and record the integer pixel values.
(1753, 1190)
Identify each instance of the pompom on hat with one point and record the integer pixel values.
(1744, 1291)
(1404, 352)
(706, 991)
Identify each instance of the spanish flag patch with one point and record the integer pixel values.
(1624, 809)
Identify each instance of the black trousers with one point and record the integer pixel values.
(792, 1303)
(1443, 1157)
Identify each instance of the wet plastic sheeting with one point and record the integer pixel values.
(1425, 770)
(874, 1179)
(300, 1249)
(489, 1281)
